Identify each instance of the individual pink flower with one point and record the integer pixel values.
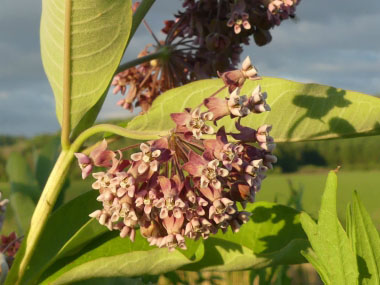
(120, 83)
(199, 227)
(207, 171)
(171, 202)
(221, 210)
(237, 104)
(257, 102)
(236, 78)
(239, 17)
(85, 164)
(151, 155)
(146, 199)
(193, 123)
(255, 173)
(265, 141)
(103, 180)
(174, 238)
(228, 153)
(126, 184)
(100, 156)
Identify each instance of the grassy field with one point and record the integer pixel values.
(276, 188)
(367, 184)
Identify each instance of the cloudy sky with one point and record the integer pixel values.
(333, 42)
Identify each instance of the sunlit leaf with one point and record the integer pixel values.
(273, 236)
(366, 242)
(112, 256)
(99, 34)
(299, 111)
(332, 254)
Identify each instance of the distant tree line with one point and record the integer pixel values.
(357, 153)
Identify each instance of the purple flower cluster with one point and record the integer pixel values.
(206, 36)
(184, 185)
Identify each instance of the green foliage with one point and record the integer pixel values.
(365, 242)
(332, 255)
(299, 111)
(24, 189)
(61, 234)
(99, 34)
(80, 249)
(338, 258)
(273, 236)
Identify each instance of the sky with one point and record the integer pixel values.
(333, 42)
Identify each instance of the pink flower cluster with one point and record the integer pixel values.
(184, 185)
(204, 38)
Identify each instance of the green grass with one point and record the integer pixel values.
(367, 183)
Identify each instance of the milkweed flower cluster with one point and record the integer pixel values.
(204, 38)
(186, 185)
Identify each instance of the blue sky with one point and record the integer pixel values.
(333, 42)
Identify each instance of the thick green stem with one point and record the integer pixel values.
(139, 15)
(161, 53)
(44, 207)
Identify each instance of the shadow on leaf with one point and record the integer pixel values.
(318, 107)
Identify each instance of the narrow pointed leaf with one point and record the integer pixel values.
(366, 242)
(329, 241)
(98, 37)
(313, 259)
(299, 111)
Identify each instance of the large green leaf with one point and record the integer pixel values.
(273, 236)
(299, 111)
(366, 243)
(112, 256)
(24, 189)
(332, 254)
(63, 235)
(99, 34)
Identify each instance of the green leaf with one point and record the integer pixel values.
(112, 256)
(99, 34)
(89, 119)
(333, 256)
(46, 159)
(24, 189)
(273, 236)
(64, 234)
(299, 111)
(366, 243)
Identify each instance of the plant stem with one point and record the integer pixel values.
(162, 52)
(45, 206)
(65, 135)
(139, 15)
